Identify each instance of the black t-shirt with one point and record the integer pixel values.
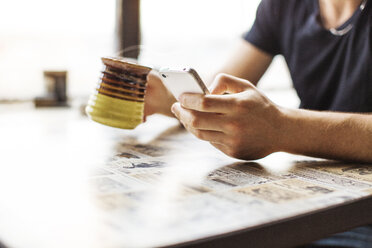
(330, 70)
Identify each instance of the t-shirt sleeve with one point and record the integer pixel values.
(264, 33)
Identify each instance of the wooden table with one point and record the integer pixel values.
(68, 182)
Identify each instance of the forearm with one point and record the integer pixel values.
(327, 134)
(247, 62)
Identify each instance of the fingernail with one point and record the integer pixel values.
(181, 98)
(172, 109)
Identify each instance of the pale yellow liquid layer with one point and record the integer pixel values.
(115, 112)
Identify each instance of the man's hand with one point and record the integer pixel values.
(247, 62)
(242, 123)
(245, 124)
(157, 99)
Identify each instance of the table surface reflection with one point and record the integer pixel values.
(68, 182)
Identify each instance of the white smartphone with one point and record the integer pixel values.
(185, 80)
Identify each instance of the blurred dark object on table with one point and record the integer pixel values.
(56, 90)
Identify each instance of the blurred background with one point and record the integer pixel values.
(70, 35)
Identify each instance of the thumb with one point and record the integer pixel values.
(224, 83)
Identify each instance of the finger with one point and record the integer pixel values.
(207, 135)
(224, 83)
(198, 120)
(148, 108)
(223, 148)
(207, 103)
(147, 112)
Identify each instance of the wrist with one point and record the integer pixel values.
(287, 126)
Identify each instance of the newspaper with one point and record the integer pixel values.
(175, 188)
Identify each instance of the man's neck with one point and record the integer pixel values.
(335, 12)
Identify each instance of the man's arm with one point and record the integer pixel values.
(245, 124)
(246, 62)
(332, 135)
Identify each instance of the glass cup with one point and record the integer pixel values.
(118, 100)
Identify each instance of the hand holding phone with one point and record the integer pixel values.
(179, 81)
